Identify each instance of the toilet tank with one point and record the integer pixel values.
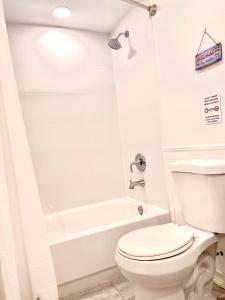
(200, 186)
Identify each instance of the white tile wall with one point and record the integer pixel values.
(70, 111)
(138, 98)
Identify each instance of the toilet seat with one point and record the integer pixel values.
(156, 242)
(157, 272)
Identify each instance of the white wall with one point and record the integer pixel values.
(69, 105)
(178, 27)
(138, 98)
(182, 88)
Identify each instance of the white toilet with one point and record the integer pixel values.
(172, 262)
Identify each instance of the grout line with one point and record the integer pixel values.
(116, 290)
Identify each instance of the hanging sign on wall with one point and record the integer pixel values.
(212, 109)
(209, 56)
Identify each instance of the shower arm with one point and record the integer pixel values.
(120, 34)
(126, 34)
(152, 8)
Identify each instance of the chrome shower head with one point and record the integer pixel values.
(115, 43)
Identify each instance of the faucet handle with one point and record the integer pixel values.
(133, 163)
(140, 163)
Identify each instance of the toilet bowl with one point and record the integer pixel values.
(165, 261)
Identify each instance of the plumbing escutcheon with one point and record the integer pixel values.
(141, 166)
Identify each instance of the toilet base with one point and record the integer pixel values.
(196, 286)
(205, 269)
(175, 293)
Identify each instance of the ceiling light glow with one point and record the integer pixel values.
(61, 12)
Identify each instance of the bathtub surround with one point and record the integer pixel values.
(138, 98)
(69, 106)
(70, 111)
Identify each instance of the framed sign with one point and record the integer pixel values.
(208, 57)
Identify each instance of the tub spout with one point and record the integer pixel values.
(136, 183)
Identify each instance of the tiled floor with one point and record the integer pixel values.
(120, 289)
(117, 289)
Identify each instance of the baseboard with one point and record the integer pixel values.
(219, 279)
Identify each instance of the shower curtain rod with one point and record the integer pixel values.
(152, 8)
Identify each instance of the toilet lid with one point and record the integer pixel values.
(156, 242)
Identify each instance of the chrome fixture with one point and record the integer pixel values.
(115, 43)
(136, 183)
(140, 210)
(152, 9)
(140, 163)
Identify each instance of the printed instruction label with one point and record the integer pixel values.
(212, 109)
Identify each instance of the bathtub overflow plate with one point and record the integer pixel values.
(140, 210)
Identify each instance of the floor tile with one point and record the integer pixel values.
(124, 288)
(101, 292)
(120, 289)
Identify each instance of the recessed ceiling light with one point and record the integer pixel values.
(61, 12)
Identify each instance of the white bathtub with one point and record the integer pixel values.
(83, 240)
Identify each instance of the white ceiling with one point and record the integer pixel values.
(97, 15)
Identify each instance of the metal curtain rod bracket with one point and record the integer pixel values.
(152, 9)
